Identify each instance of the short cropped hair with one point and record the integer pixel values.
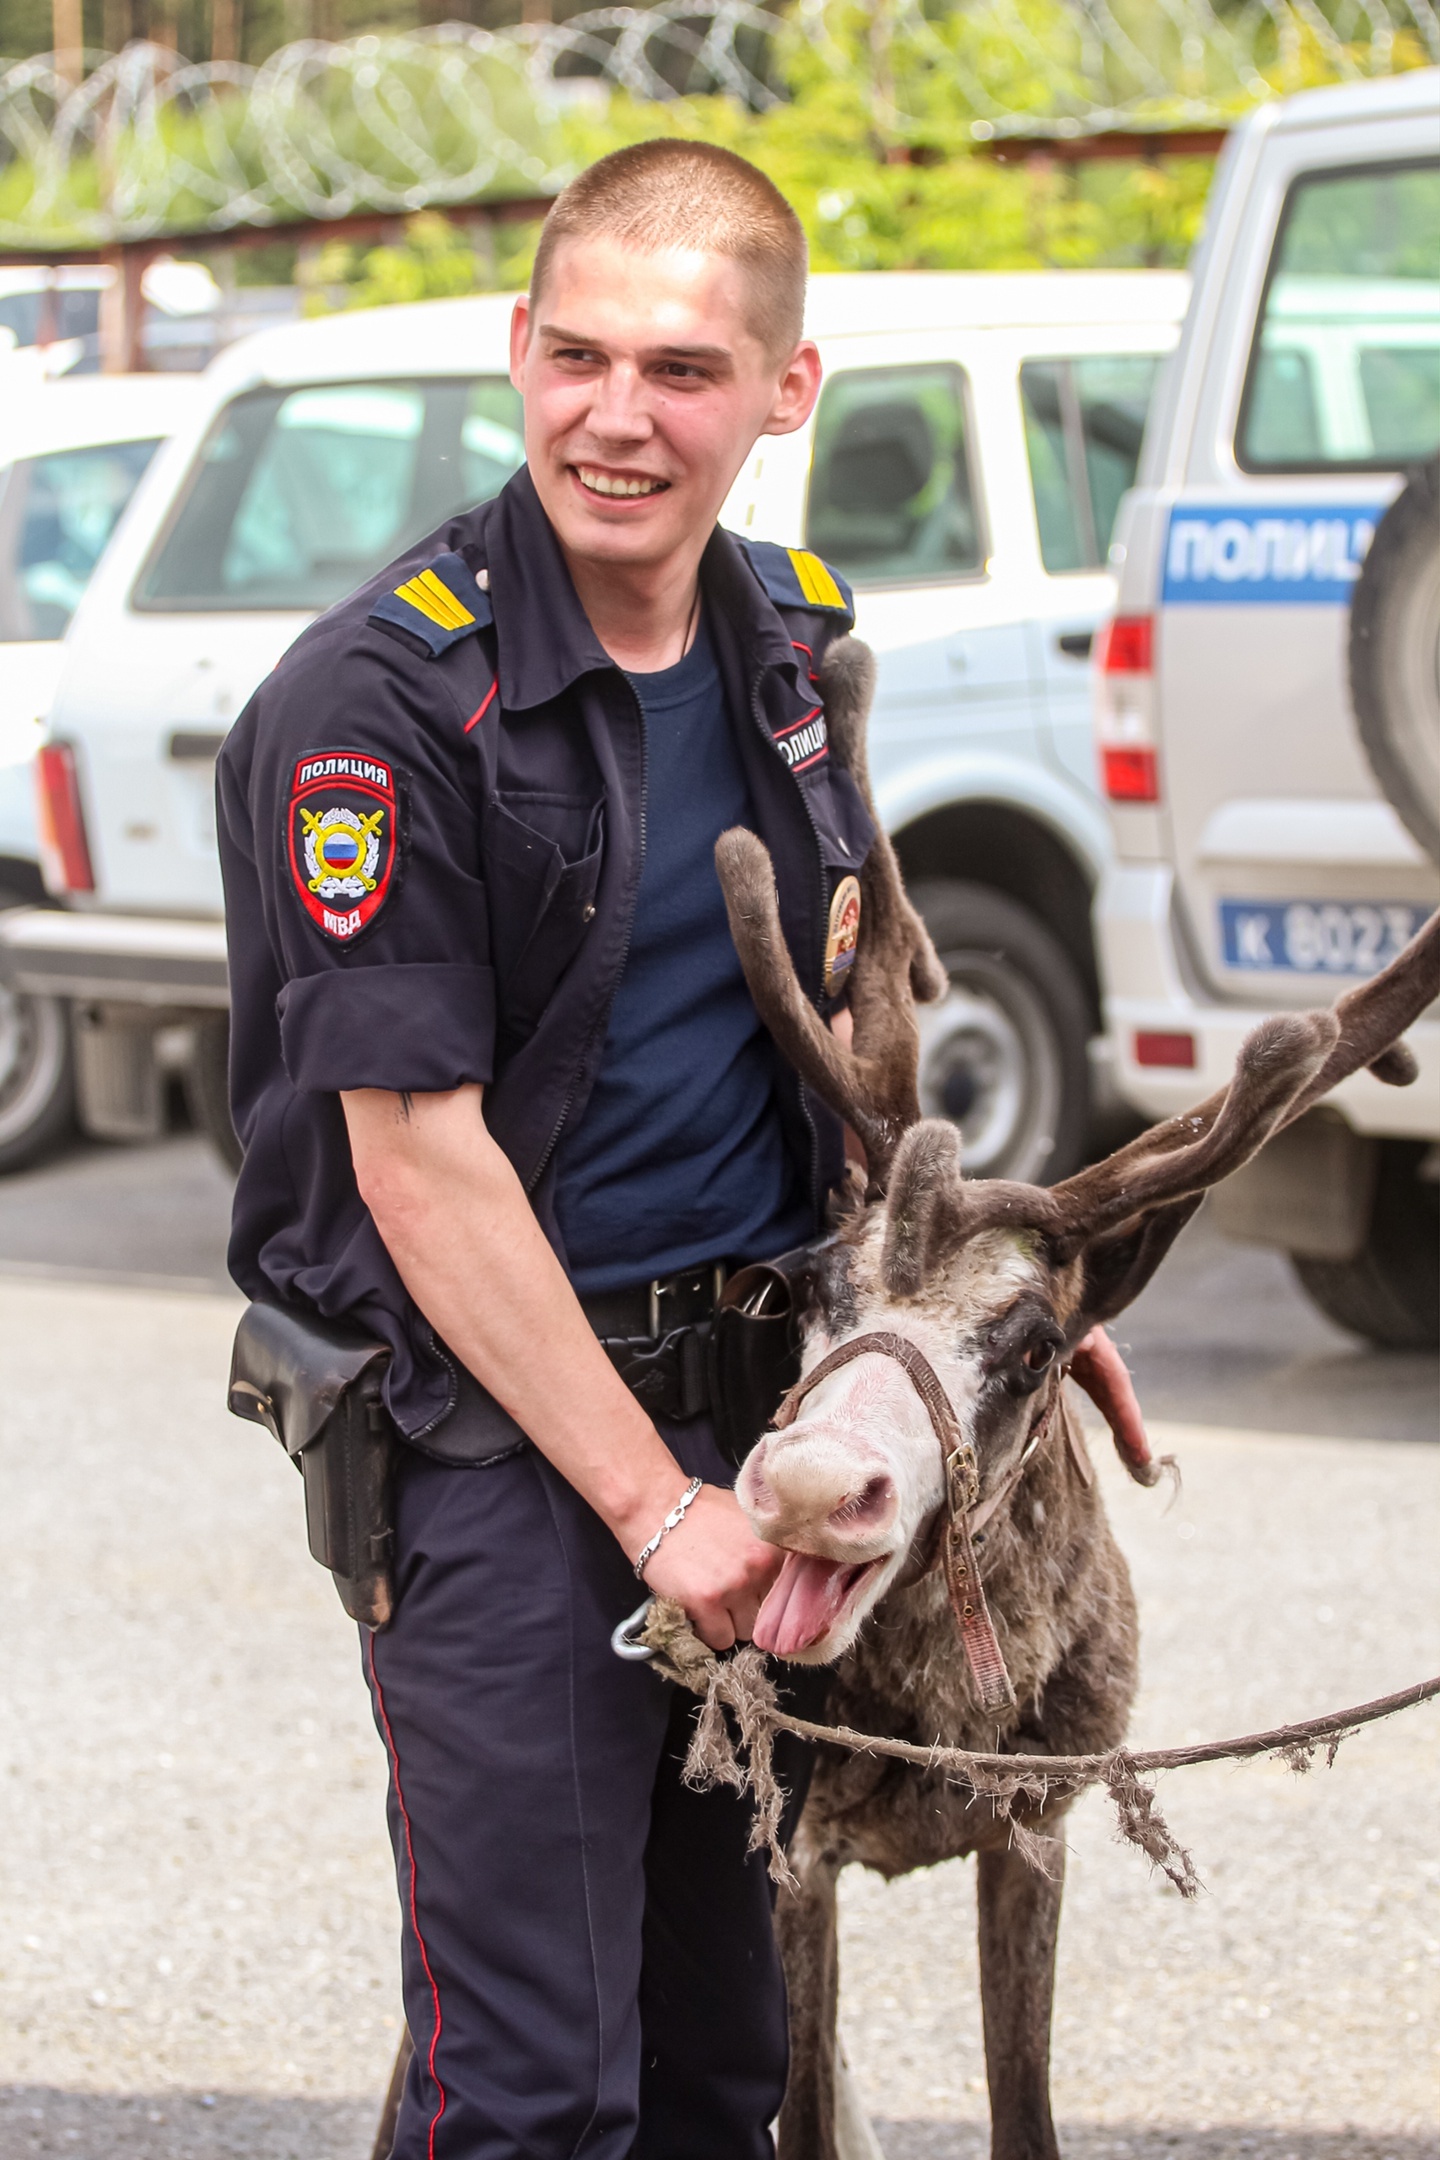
(673, 194)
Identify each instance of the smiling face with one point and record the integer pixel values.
(854, 1488)
(645, 387)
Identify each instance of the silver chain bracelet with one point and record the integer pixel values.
(675, 1516)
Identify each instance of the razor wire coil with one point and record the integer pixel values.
(128, 145)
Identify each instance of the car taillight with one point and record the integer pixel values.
(64, 849)
(1125, 709)
(1155, 1048)
(1130, 775)
(1127, 645)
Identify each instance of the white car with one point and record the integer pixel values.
(50, 318)
(1259, 864)
(49, 321)
(71, 455)
(972, 441)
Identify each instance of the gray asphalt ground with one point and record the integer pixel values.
(197, 1912)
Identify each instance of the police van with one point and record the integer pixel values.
(1262, 861)
(963, 469)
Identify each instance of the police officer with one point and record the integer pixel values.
(506, 1103)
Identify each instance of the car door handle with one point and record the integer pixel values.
(1076, 644)
(196, 745)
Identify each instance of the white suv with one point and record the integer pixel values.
(972, 442)
(71, 454)
(1259, 863)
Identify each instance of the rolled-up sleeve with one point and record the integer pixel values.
(399, 994)
(420, 1028)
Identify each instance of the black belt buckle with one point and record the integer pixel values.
(696, 1280)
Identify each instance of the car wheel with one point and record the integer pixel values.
(1390, 1291)
(1003, 1053)
(1395, 656)
(207, 1089)
(37, 1077)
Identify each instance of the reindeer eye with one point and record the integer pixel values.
(1040, 1356)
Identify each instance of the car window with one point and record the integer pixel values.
(1401, 389)
(56, 514)
(20, 313)
(1285, 413)
(57, 312)
(1345, 370)
(1084, 419)
(298, 496)
(891, 495)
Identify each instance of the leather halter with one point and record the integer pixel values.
(965, 1513)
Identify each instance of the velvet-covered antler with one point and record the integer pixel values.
(872, 1083)
(1284, 1067)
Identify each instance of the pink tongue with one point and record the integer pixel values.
(807, 1594)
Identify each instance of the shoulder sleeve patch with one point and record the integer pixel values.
(439, 604)
(341, 839)
(793, 577)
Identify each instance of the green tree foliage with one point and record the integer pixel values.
(437, 260)
(959, 208)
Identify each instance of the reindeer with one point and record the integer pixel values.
(947, 1549)
(928, 1469)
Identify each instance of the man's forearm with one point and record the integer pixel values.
(457, 1223)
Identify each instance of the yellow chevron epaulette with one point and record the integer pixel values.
(439, 604)
(793, 577)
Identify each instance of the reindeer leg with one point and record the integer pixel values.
(855, 2137)
(385, 2135)
(1019, 1922)
(806, 1926)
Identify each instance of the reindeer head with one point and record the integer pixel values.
(995, 1282)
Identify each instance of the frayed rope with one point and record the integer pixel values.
(739, 1688)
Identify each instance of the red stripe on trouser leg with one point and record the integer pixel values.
(390, 1749)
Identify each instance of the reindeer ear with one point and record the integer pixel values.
(847, 683)
(922, 1204)
(1116, 1269)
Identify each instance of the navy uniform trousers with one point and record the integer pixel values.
(589, 1964)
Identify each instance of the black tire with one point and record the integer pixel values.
(1390, 1291)
(1395, 656)
(1004, 1055)
(37, 1077)
(207, 1088)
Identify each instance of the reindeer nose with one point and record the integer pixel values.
(817, 1493)
(867, 1508)
(753, 1489)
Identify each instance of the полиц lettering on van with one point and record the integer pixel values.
(1228, 553)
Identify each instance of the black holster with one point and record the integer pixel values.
(755, 1344)
(316, 1385)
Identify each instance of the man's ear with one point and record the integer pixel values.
(796, 391)
(1116, 1269)
(519, 340)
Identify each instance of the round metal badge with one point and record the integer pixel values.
(843, 934)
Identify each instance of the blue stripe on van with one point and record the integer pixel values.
(1226, 553)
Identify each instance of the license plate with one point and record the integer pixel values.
(1315, 937)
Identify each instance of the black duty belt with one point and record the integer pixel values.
(657, 1336)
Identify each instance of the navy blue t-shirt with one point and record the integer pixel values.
(680, 1157)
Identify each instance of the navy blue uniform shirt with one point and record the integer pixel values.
(431, 837)
(680, 1158)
